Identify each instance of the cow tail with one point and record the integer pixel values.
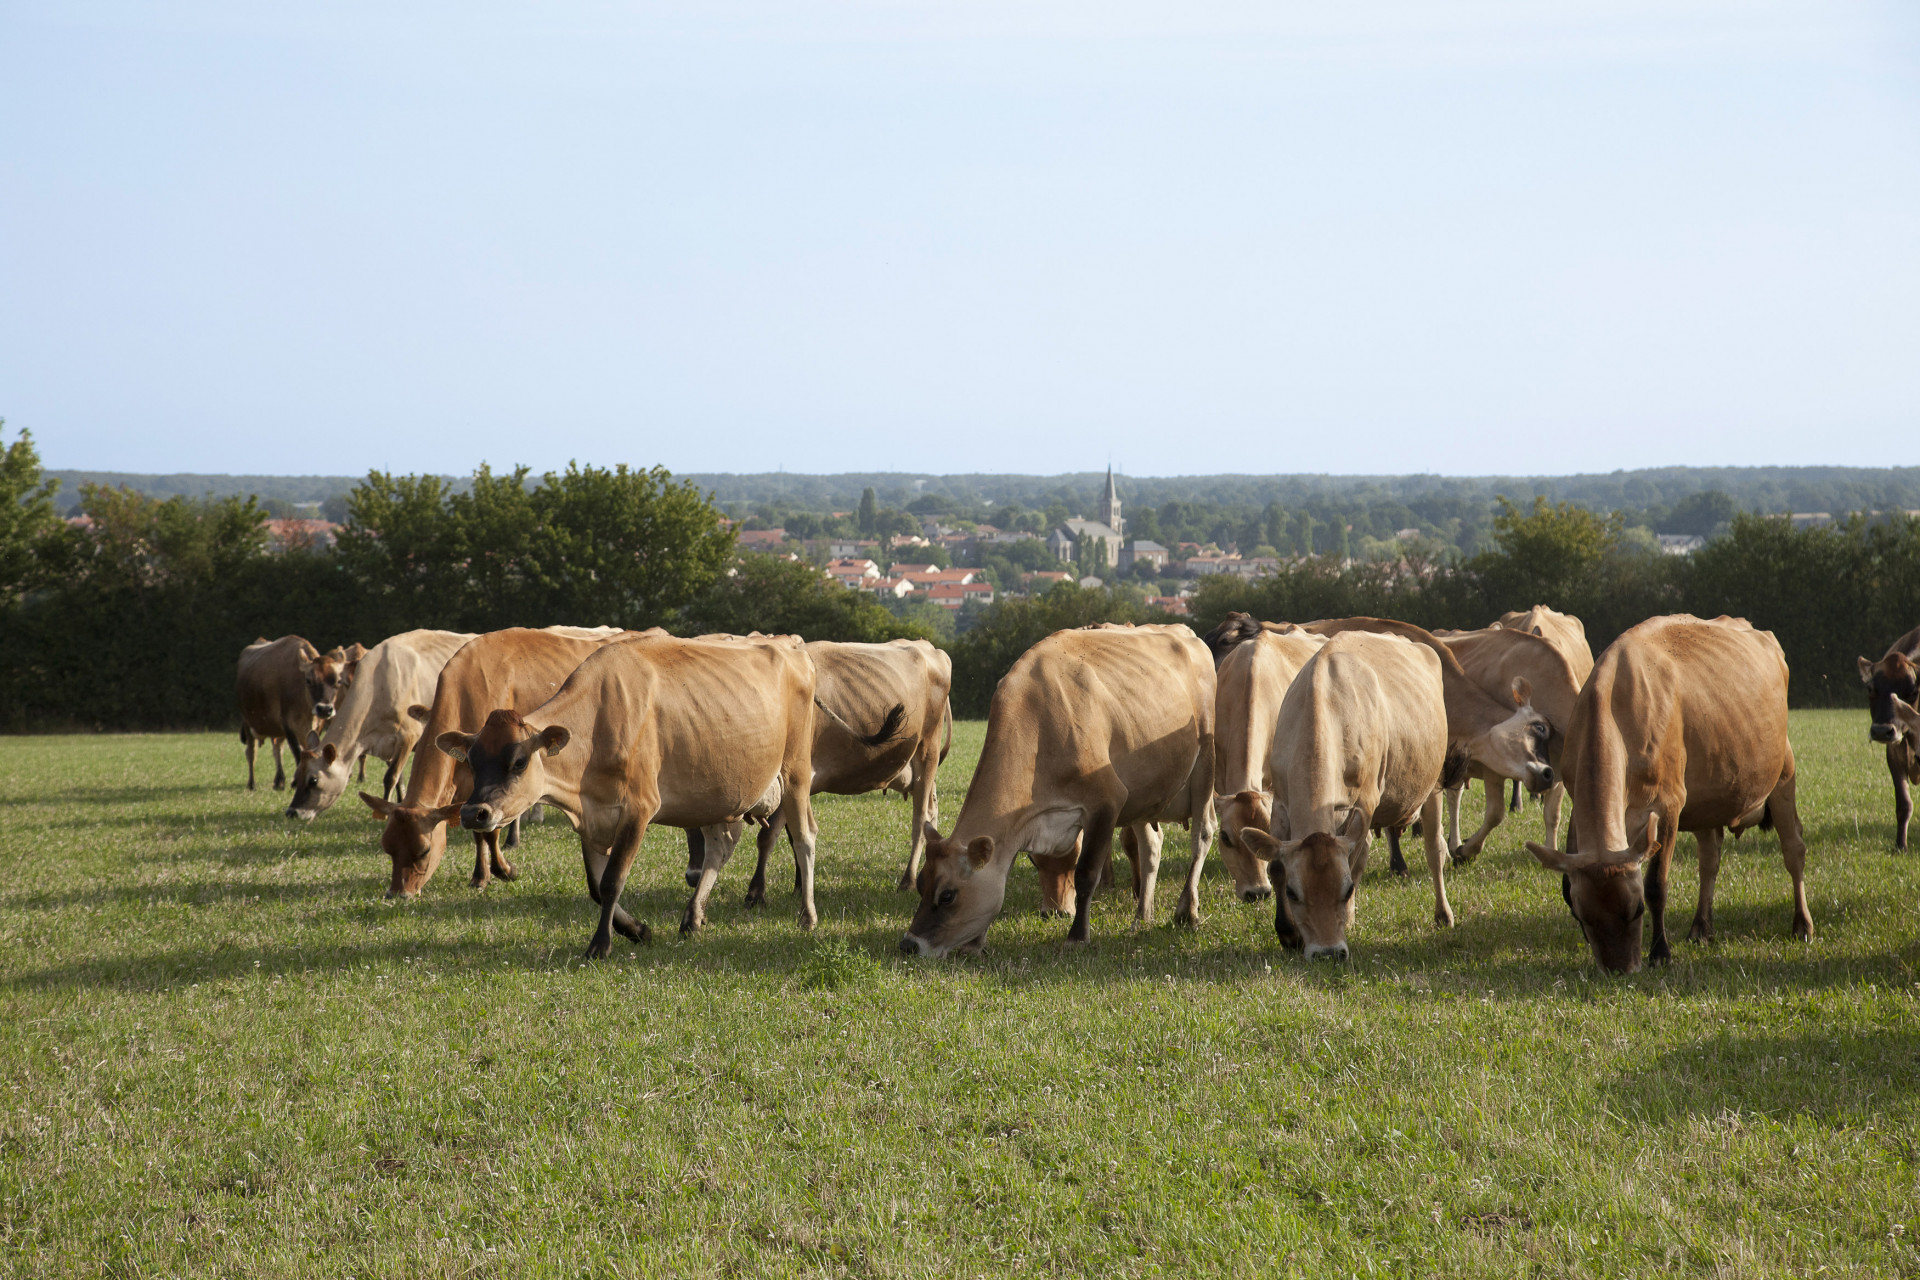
(1766, 815)
(889, 728)
(1453, 771)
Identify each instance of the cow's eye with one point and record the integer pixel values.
(1639, 909)
(1349, 893)
(520, 765)
(946, 897)
(1293, 894)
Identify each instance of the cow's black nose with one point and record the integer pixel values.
(476, 817)
(324, 710)
(1881, 733)
(908, 947)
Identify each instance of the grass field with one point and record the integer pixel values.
(224, 1054)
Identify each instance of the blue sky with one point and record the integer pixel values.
(1022, 236)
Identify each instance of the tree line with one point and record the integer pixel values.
(133, 616)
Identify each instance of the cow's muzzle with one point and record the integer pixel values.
(1883, 733)
(1338, 952)
(324, 710)
(480, 817)
(1539, 778)
(303, 815)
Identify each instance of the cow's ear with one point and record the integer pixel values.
(1906, 714)
(1522, 691)
(980, 852)
(356, 651)
(1259, 844)
(328, 754)
(1551, 859)
(418, 712)
(554, 739)
(454, 744)
(308, 653)
(313, 740)
(381, 806)
(1653, 835)
(445, 813)
(931, 832)
(1866, 671)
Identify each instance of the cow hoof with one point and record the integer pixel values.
(808, 920)
(1443, 919)
(1186, 917)
(693, 878)
(1464, 854)
(690, 922)
(1803, 930)
(1700, 932)
(599, 949)
(906, 883)
(634, 931)
(477, 882)
(1661, 954)
(754, 898)
(509, 874)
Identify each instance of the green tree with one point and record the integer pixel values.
(139, 541)
(1545, 554)
(403, 546)
(32, 534)
(869, 511)
(789, 597)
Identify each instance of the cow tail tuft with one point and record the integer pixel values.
(1766, 816)
(889, 728)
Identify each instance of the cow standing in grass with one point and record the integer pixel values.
(687, 733)
(519, 668)
(287, 690)
(1361, 745)
(1681, 727)
(1500, 661)
(399, 672)
(1093, 728)
(1896, 676)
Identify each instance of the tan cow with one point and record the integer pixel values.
(688, 733)
(1093, 728)
(1502, 735)
(1499, 660)
(1361, 746)
(518, 667)
(1254, 674)
(884, 724)
(1561, 630)
(398, 673)
(287, 690)
(1894, 678)
(1681, 727)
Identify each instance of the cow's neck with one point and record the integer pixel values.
(1600, 796)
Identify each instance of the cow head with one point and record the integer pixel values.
(1318, 875)
(320, 776)
(1606, 894)
(1892, 678)
(508, 763)
(415, 838)
(961, 888)
(328, 675)
(1517, 746)
(1248, 809)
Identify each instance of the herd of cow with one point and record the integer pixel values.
(1295, 743)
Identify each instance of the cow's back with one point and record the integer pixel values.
(1680, 704)
(1494, 657)
(1562, 630)
(1363, 726)
(401, 671)
(271, 687)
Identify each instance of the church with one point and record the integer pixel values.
(1109, 528)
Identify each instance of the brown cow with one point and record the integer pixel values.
(688, 733)
(1498, 660)
(1561, 630)
(1093, 728)
(901, 687)
(1894, 677)
(1361, 745)
(287, 690)
(1681, 727)
(518, 667)
(1255, 670)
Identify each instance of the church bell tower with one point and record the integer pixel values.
(1110, 505)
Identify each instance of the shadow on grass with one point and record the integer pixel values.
(1828, 1076)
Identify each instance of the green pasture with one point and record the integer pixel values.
(223, 1054)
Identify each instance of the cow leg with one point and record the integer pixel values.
(1096, 849)
(1496, 813)
(502, 869)
(1550, 810)
(481, 862)
(596, 864)
(1654, 885)
(803, 833)
(279, 768)
(720, 841)
(923, 795)
(768, 836)
(612, 879)
(696, 856)
(1397, 861)
(1709, 842)
(1515, 806)
(1902, 796)
(1785, 812)
(1455, 795)
(390, 783)
(1143, 841)
(252, 745)
(363, 768)
(1437, 855)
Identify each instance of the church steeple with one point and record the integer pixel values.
(1110, 505)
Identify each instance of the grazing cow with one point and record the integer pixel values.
(1093, 728)
(287, 690)
(1252, 679)
(1497, 659)
(1681, 727)
(1561, 630)
(372, 720)
(518, 667)
(1505, 739)
(859, 687)
(1896, 677)
(688, 733)
(1361, 746)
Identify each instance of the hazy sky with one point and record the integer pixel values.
(1028, 235)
